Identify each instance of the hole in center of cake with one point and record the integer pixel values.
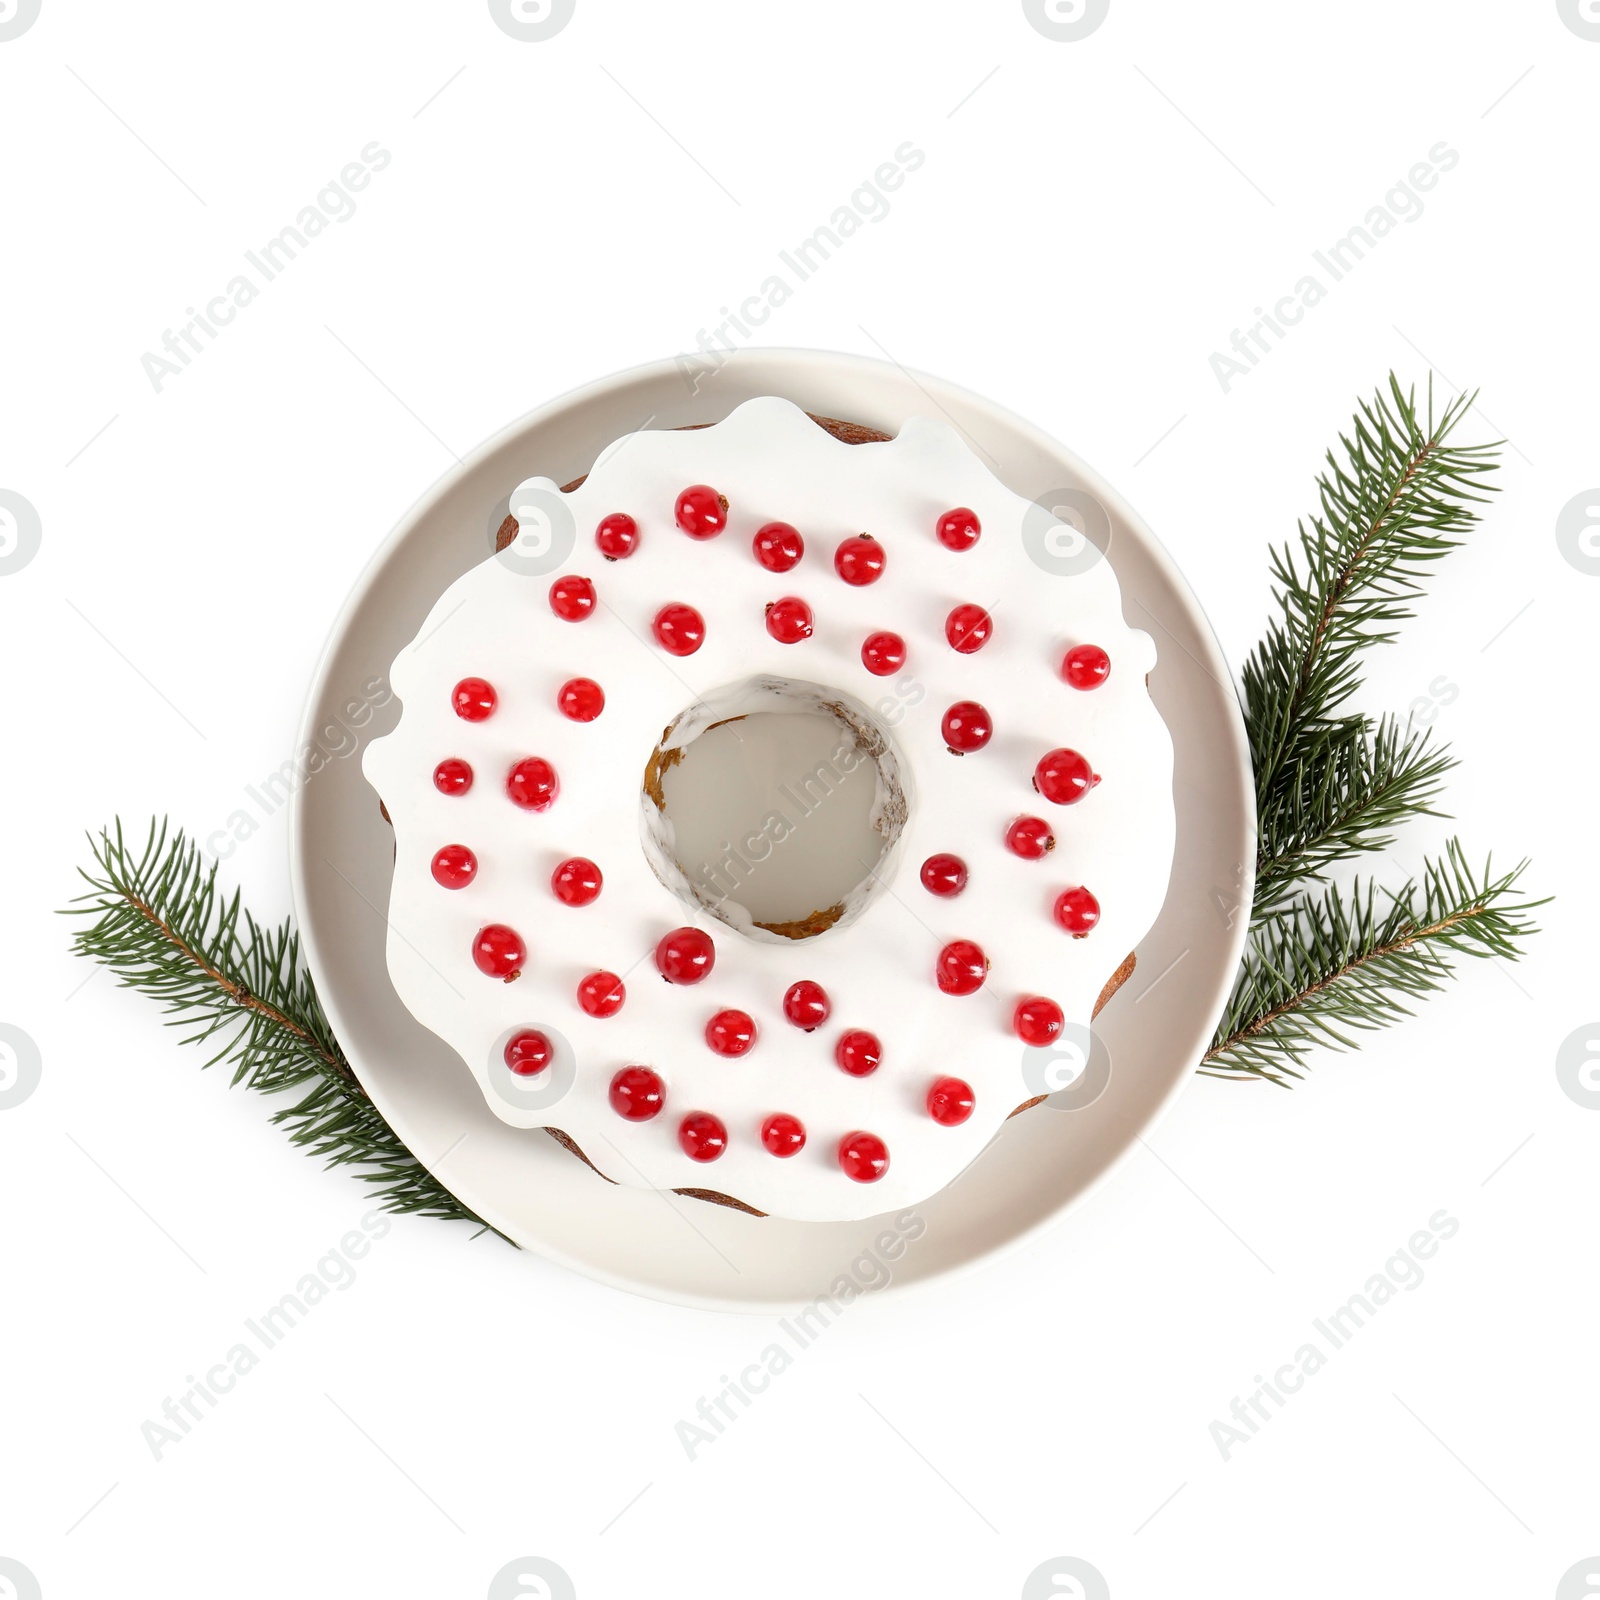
(776, 806)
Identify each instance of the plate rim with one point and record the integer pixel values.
(834, 362)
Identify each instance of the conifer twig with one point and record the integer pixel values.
(1330, 785)
(160, 923)
(1317, 972)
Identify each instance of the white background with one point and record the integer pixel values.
(1092, 221)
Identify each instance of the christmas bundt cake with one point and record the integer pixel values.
(772, 807)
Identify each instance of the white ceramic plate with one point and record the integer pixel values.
(686, 1250)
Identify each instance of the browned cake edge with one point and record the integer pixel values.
(844, 432)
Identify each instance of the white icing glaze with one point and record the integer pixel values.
(495, 622)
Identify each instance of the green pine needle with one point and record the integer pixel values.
(163, 927)
(1318, 972)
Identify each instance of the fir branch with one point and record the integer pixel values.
(1365, 784)
(162, 926)
(1401, 498)
(1316, 973)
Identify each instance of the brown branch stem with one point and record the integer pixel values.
(1298, 1001)
(236, 992)
(1342, 584)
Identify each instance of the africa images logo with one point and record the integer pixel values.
(1582, 17)
(532, 1578)
(532, 21)
(20, 532)
(1065, 21)
(1578, 533)
(16, 17)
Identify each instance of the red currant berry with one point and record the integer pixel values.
(883, 653)
(572, 599)
(778, 547)
(968, 628)
(789, 620)
(944, 874)
(783, 1135)
(731, 1033)
(702, 1136)
(961, 968)
(576, 882)
(858, 1052)
(859, 560)
(1038, 1021)
(966, 727)
(474, 699)
(702, 513)
(863, 1156)
(581, 699)
(528, 1052)
(452, 777)
(679, 629)
(617, 536)
(601, 994)
(950, 1101)
(1086, 666)
(686, 955)
(959, 529)
(1063, 777)
(1077, 911)
(533, 784)
(806, 1005)
(455, 867)
(637, 1093)
(1030, 838)
(499, 951)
